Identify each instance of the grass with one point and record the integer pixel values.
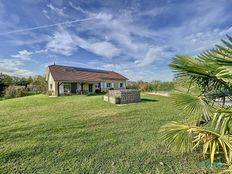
(1, 98)
(84, 134)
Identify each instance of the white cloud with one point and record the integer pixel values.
(78, 8)
(23, 55)
(62, 43)
(105, 49)
(134, 72)
(101, 48)
(13, 67)
(45, 12)
(129, 37)
(152, 54)
(56, 10)
(66, 43)
(104, 16)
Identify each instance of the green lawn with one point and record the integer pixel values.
(84, 134)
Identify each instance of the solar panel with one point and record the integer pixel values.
(86, 70)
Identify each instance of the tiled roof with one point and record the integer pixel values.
(67, 73)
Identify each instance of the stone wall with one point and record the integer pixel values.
(125, 96)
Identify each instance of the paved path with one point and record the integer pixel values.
(162, 93)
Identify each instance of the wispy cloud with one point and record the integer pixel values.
(56, 10)
(13, 67)
(47, 26)
(101, 48)
(14, 64)
(66, 43)
(23, 55)
(152, 54)
(61, 43)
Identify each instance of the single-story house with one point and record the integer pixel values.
(64, 80)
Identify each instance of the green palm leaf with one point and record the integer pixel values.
(193, 106)
(177, 137)
(222, 120)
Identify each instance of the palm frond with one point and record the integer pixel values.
(193, 106)
(177, 137)
(185, 138)
(222, 120)
(211, 69)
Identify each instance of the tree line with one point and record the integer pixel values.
(11, 86)
(151, 86)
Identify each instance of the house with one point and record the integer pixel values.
(65, 80)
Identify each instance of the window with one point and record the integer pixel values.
(67, 88)
(50, 86)
(121, 85)
(108, 85)
(98, 85)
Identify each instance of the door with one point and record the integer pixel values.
(74, 88)
(90, 88)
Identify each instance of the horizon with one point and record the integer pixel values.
(137, 39)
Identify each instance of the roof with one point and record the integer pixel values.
(68, 73)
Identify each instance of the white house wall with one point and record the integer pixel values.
(53, 83)
(114, 84)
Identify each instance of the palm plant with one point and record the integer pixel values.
(208, 126)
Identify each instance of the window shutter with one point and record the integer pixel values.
(112, 85)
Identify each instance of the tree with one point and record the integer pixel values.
(5, 81)
(40, 83)
(29, 80)
(206, 125)
(22, 82)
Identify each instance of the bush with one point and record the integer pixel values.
(151, 86)
(97, 91)
(49, 92)
(111, 88)
(14, 91)
(39, 84)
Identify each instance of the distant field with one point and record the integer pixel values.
(83, 134)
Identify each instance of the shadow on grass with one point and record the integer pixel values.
(148, 100)
(95, 94)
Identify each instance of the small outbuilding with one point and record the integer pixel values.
(123, 96)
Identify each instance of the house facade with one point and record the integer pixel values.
(66, 80)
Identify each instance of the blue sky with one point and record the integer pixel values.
(137, 38)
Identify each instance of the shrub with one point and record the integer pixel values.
(111, 88)
(14, 91)
(97, 91)
(39, 84)
(49, 92)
